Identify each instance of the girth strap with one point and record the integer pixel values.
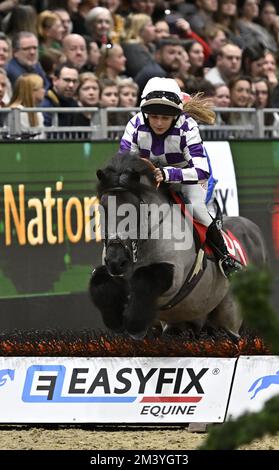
(193, 277)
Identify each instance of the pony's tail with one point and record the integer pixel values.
(200, 109)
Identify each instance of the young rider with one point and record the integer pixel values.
(166, 132)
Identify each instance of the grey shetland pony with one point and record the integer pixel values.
(154, 272)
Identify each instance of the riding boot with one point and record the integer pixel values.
(227, 264)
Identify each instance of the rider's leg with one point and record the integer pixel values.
(214, 237)
(196, 194)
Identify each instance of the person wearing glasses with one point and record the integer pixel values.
(61, 94)
(25, 58)
(166, 133)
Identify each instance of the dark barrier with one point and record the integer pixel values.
(47, 190)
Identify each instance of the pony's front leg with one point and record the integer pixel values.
(109, 294)
(146, 285)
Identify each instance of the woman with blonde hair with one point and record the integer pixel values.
(138, 43)
(50, 31)
(111, 63)
(28, 93)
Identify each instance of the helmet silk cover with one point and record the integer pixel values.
(161, 96)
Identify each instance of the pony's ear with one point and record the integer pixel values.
(100, 175)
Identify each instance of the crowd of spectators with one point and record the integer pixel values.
(101, 53)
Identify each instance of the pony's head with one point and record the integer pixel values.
(122, 188)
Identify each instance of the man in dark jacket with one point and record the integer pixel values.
(65, 83)
(168, 57)
(25, 58)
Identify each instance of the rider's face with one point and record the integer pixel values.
(159, 123)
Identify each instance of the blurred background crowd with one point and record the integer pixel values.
(101, 53)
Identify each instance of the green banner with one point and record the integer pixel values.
(47, 191)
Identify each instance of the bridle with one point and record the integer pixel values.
(130, 246)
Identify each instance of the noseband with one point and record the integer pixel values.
(131, 251)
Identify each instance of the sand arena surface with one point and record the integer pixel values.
(108, 438)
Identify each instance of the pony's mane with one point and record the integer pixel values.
(124, 170)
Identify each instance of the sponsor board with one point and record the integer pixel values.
(114, 390)
(256, 381)
(223, 170)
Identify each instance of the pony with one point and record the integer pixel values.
(156, 272)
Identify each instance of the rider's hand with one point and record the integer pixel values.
(159, 175)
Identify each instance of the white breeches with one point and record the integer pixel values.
(195, 195)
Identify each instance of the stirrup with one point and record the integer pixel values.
(229, 266)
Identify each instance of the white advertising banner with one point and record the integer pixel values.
(223, 170)
(114, 390)
(256, 381)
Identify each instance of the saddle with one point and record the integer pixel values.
(234, 246)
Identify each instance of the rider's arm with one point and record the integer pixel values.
(129, 140)
(194, 154)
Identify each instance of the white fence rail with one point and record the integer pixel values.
(109, 124)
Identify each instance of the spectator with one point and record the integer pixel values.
(93, 54)
(196, 57)
(251, 32)
(185, 66)
(228, 64)
(128, 93)
(50, 60)
(21, 18)
(83, 7)
(3, 88)
(268, 17)
(269, 68)
(99, 25)
(5, 56)
(240, 91)
(65, 83)
(167, 61)
(128, 97)
(109, 98)
(28, 93)
(226, 16)
(112, 62)
(50, 31)
(5, 49)
(222, 99)
(138, 42)
(118, 20)
(215, 38)
(88, 94)
(204, 15)
(25, 58)
(263, 101)
(253, 61)
(75, 50)
(162, 30)
(262, 93)
(180, 28)
(65, 20)
(195, 85)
